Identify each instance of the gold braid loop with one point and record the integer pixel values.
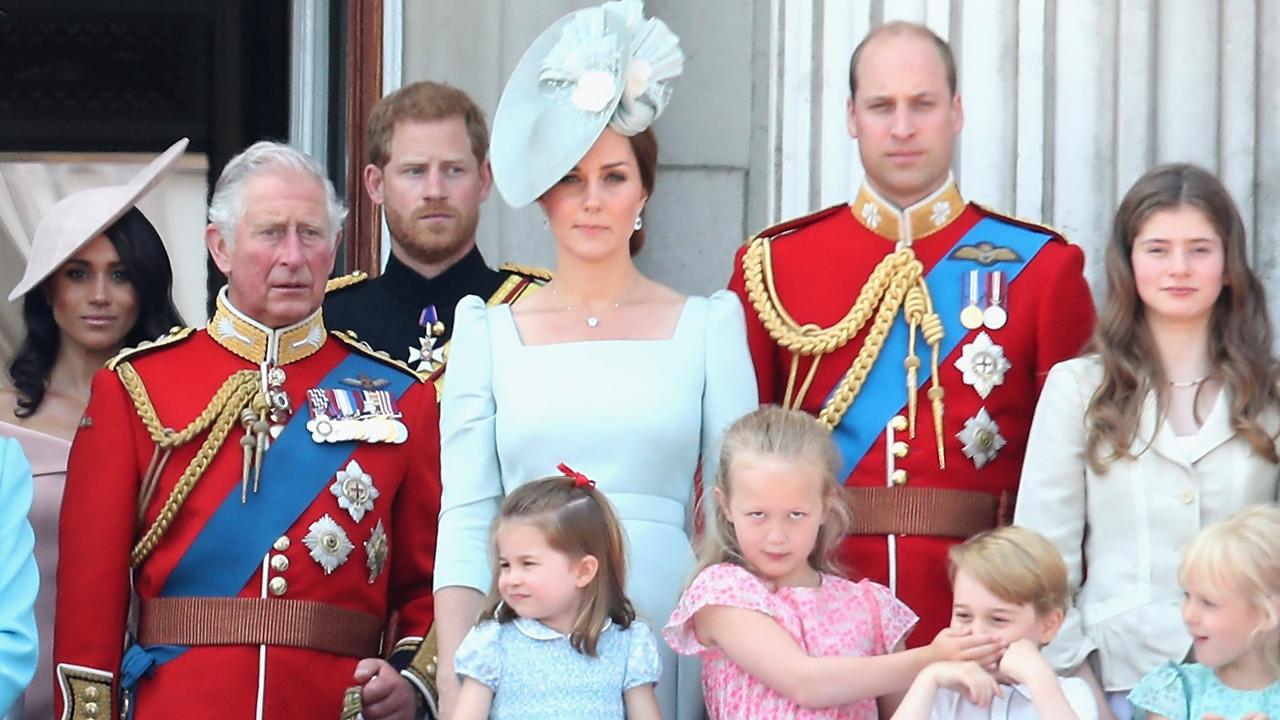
(914, 308)
(851, 384)
(809, 339)
(222, 413)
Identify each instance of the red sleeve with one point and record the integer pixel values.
(96, 533)
(763, 350)
(1066, 315)
(413, 542)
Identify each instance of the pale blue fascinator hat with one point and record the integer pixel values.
(603, 66)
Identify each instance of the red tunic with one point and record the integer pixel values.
(99, 528)
(820, 264)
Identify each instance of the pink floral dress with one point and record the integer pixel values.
(838, 618)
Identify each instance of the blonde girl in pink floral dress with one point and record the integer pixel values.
(781, 634)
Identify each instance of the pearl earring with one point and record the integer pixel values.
(546, 223)
(639, 222)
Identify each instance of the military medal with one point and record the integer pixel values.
(355, 490)
(995, 316)
(971, 316)
(376, 550)
(983, 364)
(328, 543)
(339, 415)
(981, 438)
(427, 357)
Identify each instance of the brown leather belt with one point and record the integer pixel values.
(926, 511)
(260, 621)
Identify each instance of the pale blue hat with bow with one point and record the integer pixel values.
(603, 66)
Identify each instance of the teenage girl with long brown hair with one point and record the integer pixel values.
(1170, 425)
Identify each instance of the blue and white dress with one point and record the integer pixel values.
(636, 416)
(536, 673)
(1191, 691)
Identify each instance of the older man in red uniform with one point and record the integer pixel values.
(917, 326)
(266, 488)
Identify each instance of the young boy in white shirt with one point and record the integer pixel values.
(1009, 582)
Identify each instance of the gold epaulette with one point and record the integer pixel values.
(533, 273)
(345, 281)
(1024, 222)
(350, 340)
(794, 224)
(175, 335)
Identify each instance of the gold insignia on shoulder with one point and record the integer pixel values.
(349, 339)
(345, 281)
(985, 253)
(528, 271)
(1025, 222)
(175, 335)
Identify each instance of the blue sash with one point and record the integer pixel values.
(231, 545)
(885, 393)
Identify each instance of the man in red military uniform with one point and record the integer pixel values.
(266, 488)
(917, 326)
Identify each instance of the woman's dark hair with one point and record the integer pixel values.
(645, 146)
(142, 252)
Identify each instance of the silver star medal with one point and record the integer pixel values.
(427, 356)
(376, 549)
(981, 438)
(328, 543)
(983, 364)
(355, 490)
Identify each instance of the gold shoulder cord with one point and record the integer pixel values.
(240, 391)
(897, 281)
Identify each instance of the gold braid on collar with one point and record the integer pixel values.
(897, 282)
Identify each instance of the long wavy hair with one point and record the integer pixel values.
(1239, 328)
(577, 520)
(795, 437)
(147, 264)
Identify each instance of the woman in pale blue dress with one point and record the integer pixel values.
(19, 579)
(603, 369)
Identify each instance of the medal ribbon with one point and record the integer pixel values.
(884, 393)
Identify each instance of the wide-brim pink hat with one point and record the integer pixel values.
(82, 216)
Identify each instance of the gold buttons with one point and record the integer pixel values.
(279, 563)
(431, 669)
(898, 423)
(91, 709)
(91, 693)
(281, 544)
(900, 449)
(278, 586)
(899, 477)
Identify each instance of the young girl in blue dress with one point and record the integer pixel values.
(1231, 575)
(558, 638)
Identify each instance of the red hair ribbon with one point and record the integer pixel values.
(579, 480)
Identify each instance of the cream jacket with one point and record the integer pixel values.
(1129, 524)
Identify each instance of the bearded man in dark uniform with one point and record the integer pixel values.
(919, 327)
(429, 170)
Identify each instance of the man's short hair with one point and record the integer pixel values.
(1016, 565)
(226, 207)
(901, 27)
(424, 102)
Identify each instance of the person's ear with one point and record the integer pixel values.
(723, 502)
(585, 570)
(1049, 624)
(374, 183)
(486, 179)
(850, 122)
(219, 248)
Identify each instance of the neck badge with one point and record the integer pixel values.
(427, 358)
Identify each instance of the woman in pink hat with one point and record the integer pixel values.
(97, 279)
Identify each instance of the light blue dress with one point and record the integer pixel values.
(19, 579)
(633, 415)
(1190, 691)
(536, 673)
